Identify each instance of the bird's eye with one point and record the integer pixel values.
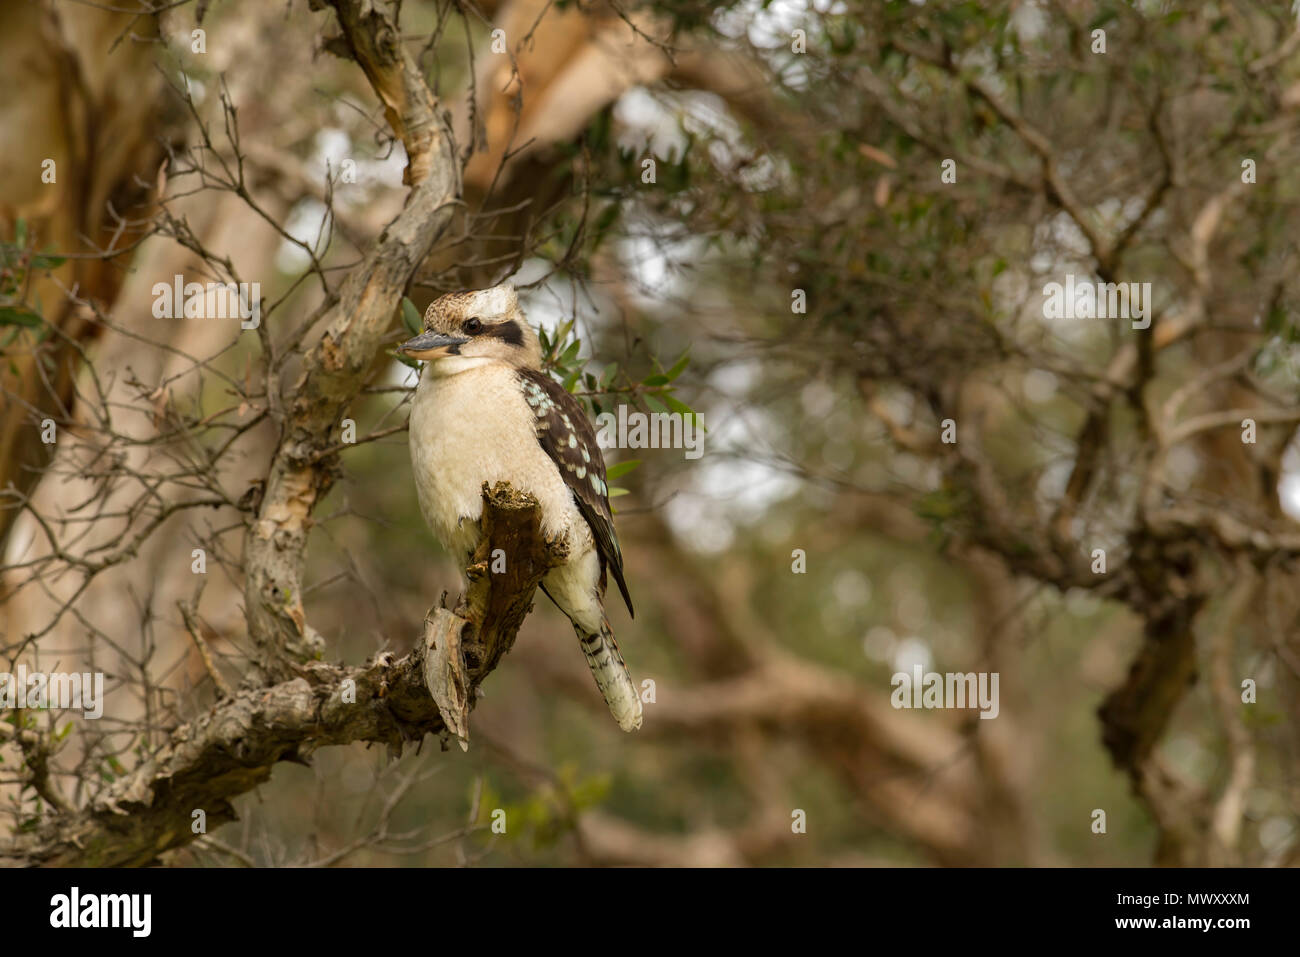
(474, 325)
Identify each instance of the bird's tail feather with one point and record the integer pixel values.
(611, 674)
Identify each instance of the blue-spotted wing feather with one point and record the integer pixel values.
(565, 433)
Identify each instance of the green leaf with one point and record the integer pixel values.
(411, 317)
(677, 405)
(654, 380)
(654, 405)
(679, 366)
(405, 360)
(620, 469)
(17, 316)
(46, 261)
(616, 492)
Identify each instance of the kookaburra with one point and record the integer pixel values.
(485, 411)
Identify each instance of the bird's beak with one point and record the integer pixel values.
(432, 345)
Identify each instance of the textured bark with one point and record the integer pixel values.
(338, 365)
(472, 639)
(233, 748)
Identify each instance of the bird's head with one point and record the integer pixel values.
(463, 330)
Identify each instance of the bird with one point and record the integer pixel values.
(486, 411)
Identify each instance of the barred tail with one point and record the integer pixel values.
(612, 678)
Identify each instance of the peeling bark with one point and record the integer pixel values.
(336, 367)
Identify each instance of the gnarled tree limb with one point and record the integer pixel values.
(336, 367)
(503, 574)
(209, 761)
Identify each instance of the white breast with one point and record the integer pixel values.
(475, 427)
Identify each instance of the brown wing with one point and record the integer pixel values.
(565, 433)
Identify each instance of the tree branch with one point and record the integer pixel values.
(209, 761)
(336, 367)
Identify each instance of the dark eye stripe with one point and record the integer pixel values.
(507, 332)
